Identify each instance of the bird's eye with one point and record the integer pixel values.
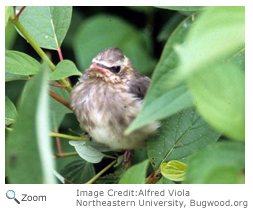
(115, 69)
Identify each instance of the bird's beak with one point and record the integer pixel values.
(96, 67)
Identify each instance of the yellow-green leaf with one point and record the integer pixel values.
(174, 170)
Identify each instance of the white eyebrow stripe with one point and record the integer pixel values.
(101, 62)
(118, 63)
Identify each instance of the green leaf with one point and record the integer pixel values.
(57, 110)
(65, 68)
(174, 170)
(19, 63)
(160, 101)
(87, 152)
(47, 25)
(135, 174)
(217, 34)
(179, 136)
(10, 111)
(169, 27)
(29, 153)
(12, 77)
(78, 172)
(182, 8)
(112, 178)
(102, 31)
(164, 180)
(168, 104)
(10, 36)
(239, 59)
(222, 163)
(219, 93)
(7, 14)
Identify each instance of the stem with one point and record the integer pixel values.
(58, 142)
(59, 99)
(37, 48)
(60, 54)
(57, 85)
(153, 177)
(19, 13)
(67, 154)
(109, 156)
(54, 134)
(101, 172)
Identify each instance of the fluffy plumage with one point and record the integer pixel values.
(108, 97)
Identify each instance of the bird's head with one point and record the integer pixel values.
(112, 66)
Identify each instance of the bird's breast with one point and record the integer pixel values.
(99, 104)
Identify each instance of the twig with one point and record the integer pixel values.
(57, 85)
(101, 172)
(70, 137)
(153, 177)
(58, 142)
(63, 155)
(59, 99)
(19, 12)
(60, 54)
(37, 48)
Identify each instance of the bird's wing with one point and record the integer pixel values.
(139, 86)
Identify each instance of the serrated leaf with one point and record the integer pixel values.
(10, 111)
(182, 8)
(65, 68)
(161, 101)
(174, 170)
(135, 174)
(19, 63)
(87, 152)
(112, 178)
(29, 154)
(47, 25)
(179, 136)
(219, 93)
(221, 163)
(78, 172)
(102, 34)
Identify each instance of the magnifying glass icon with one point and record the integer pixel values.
(11, 195)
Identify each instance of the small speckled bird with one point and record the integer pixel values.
(108, 97)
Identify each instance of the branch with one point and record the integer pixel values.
(37, 48)
(56, 85)
(19, 12)
(60, 54)
(101, 172)
(153, 177)
(63, 155)
(54, 134)
(60, 99)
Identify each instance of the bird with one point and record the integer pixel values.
(108, 97)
